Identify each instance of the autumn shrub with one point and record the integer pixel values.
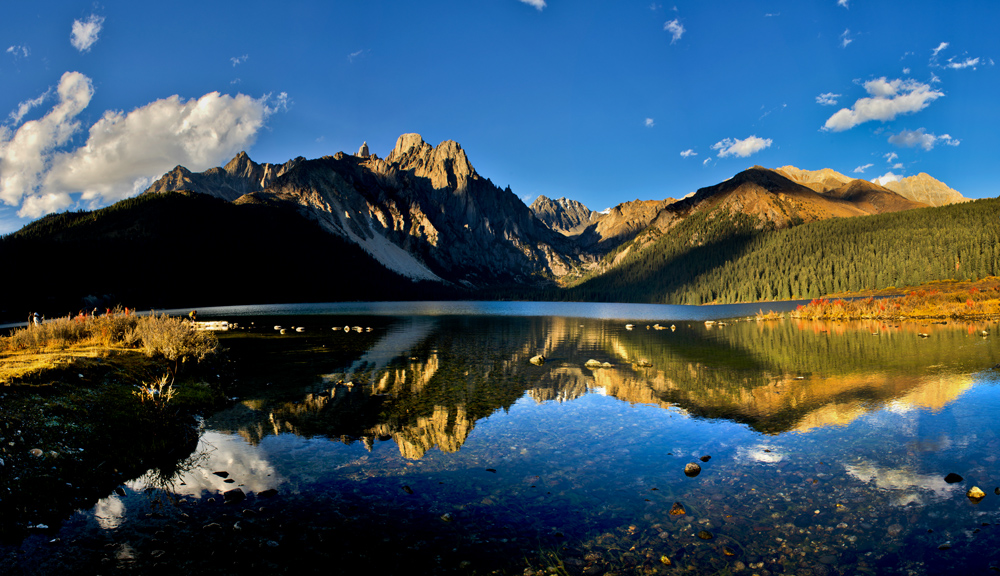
(174, 340)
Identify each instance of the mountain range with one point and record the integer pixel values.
(423, 214)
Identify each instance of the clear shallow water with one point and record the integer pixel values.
(451, 452)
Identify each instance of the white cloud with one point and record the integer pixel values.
(19, 51)
(891, 156)
(845, 38)
(539, 4)
(353, 55)
(967, 63)
(85, 32)
(886, 178)
(675, 28)
(861, 169)
(940, 47)
(827, 99)
(688, 153)
(239, 59)
(649, 123)
(24, 107)
(889, 99)
(897, 166)
(706, 161)
(920, 138)
(122, 151)
(741, 148)
(906, 70)
(842, 3)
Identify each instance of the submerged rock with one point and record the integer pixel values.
(705, 535)
(705, 458)
(951, 478)
(677, 509)
(537, 360)
(692, 469)
(233, 496)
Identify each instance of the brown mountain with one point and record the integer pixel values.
(926, 189)
(819, 180)
(873, 198)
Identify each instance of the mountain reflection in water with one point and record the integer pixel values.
(425, 381)
(432, 445)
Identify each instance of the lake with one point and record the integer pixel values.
(420, 439)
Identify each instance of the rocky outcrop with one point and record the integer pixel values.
(872, 198)
(240, 176)
(363, 151)
(926, 189)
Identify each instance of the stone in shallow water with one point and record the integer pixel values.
(951, 478)
(705, 458)
(705, 535)
(692, 469)
(975, 494)
(537, 360)
(677, 509)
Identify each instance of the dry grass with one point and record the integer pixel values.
(63, 343)
(972, 300)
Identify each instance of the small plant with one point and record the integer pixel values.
(156, 393)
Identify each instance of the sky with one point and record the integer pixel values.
(599, 101)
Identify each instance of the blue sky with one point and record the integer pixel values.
(603, 102)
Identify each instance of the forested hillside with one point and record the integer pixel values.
(180, 249)
(720, 257)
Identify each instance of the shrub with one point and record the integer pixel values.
(174, 340)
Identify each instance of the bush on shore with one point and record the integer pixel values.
(158, 335)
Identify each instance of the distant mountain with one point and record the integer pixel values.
(927, 189)
(565, 216)
(240, 176)
(921, 188)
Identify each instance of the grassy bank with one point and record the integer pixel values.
(979, 300)
(87, 403)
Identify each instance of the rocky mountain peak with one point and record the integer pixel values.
(363, 151)
(446, 165)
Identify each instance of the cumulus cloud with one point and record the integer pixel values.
(827, 99)
(741, 148)
(888, 100)
(649, 123)
(861, 169)
(539, 4)
(920, 138)
(886, 178)
(845, 38)
(19, 51)
(239, 59)
(85, 32)
(675, 28)
(688, 153)
(122, 151)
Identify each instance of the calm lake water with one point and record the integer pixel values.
(425, 441)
